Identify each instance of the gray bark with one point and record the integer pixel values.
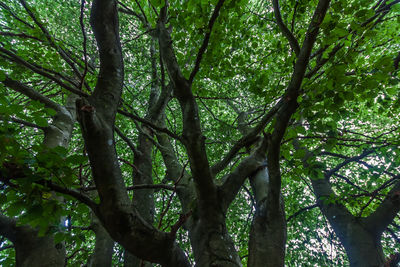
(103, 249)
(97, 118)
(268, 229)
(361, 237)
(142, 174)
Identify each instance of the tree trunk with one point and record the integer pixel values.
(268, 229)
(359, 236)
(212, 245)
(363, 248)
(103, 250)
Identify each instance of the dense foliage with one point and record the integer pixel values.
(214, 96)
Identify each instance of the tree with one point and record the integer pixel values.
(200, 100)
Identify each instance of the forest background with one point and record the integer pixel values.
(207, 133)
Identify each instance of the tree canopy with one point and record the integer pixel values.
(207, 133)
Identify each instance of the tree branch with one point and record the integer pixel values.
(150, 124)
(246, 140)
(206, 39)
(248, 166)
(41, 71)
(290, 98)
(31, 93)
(294, 44)
(380, 219)
(26, 123)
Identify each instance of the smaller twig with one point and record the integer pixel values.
(300, 211)
(182, 219)
(26, 123)
(127, 141)
(294, 44)
(172, 195)
(150, 124)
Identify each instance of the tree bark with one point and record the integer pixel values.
(359, 236)
(268, 229)
(103, 249)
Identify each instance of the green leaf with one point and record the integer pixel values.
(2, 76)
(59, 237)
(15, 208)
(76, 159)
(40, 121)
(50, 111)
(392, 91)
(157, 3)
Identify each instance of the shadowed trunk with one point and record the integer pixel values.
(103, 250)
(268, 229)
(359, 236)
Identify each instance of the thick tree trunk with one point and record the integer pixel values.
(268, 229)
(359, 236)
(31, 250)
(103, 249)
(212, 245)
(143, 199)
(363, 248)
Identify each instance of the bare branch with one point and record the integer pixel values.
(41, 71)
(300, 211)
(246, 140)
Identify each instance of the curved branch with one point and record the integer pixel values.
(294, 44)
(41, 71)
(246, 168)
(50, 39)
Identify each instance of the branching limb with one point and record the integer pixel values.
(387, 210)
(23, 122)
(127, 140)
(192, 136)
(31, 93)
(290, 98)
(41, 71)
(248, 139)
(297, 213)
(294, 44)
(50, 39)
(248, 166)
